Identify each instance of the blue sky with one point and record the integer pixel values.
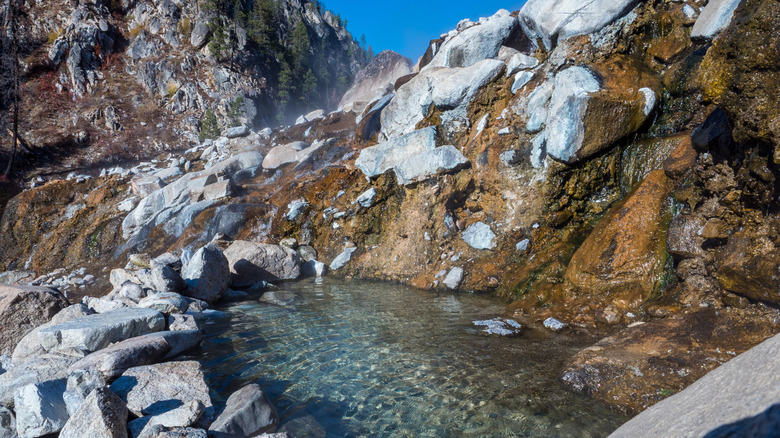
(406, 26)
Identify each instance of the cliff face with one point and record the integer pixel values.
(614, 168)
(107, 81)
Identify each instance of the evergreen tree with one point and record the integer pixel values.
(209, 127)
(308, 86)
(285, 89)
(300, 46)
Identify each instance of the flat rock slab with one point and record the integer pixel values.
(155, 389)
(23, 308)
(93, 332)
(739, 398)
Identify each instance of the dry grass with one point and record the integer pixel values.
(134, 32)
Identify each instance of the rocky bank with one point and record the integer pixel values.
(610, 169)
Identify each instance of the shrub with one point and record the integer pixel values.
(172, 89)
(209, 127)
(185, 27)
(53, 35)
(134, 32)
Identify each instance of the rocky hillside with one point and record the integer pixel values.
(109, 81)
(610, 169)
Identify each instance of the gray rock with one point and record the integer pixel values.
(118, 277)
(511, 158)
(286, 154)
(499, 327)
(165, 302)
(479, 236)
(537, 107)
(475, 43)
(237, 131)
(102, 305)
(114, 360)
(568, 104)
(521, 79)
(366, 199)
(16, 277)
(684, 239)
(143, 185)
(207, 274)
(251, 262)
(166, 279)
(155, 389)
(101, 415)
(30, 346)
(7, 423)
(183, 416)
(376, 160)
(429, 163)
(247, 412)
(553, 324)
(23, 308)
(35, 370)
(200, 35)
(166, 259)
(93, 332)
(522, 245)
(520, 61)
(453, 278)
(314, 268)
(307, 252)
(219, 190)
(342, 259)
(747, 408)
(131, 291)
(295, 209)
(160, 431)
(182, 322)
(714, 18)
(40, 409)
(79, 385)
(376, 79)
(556, 20)
(179, 340)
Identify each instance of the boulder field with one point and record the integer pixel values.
(610, 169)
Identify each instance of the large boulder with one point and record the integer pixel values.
(428, 163)
(80, 384)
(252, 262)
(624, 255)
(36, 370)
(40, 409)
(248, 412)
(376, 160)
(476, 43)
(23, 308)
(280, 155)
(94, 332)
(567, 109)
(376, 79)
(30, 346)
(114, 360)
(207, 274)
(448, 89)
(748, 408)
(182, 416)
(155, 389)
(553, 21)
(101, 415)
(749, 268)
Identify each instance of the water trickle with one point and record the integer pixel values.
(376, 359)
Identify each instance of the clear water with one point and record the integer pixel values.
(355, 358)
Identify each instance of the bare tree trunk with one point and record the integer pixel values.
(11, 22)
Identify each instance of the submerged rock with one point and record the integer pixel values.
(499, 327)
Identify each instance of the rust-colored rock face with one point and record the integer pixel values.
(624, 256)
(750, 267)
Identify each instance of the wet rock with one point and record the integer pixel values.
(93, 332)
(476, 43)
(646, 363)
(295, 209)
(155, 389)
(23, 308)
(681, 160)
(247, 412)
(426, 164)
(114, 360)
(307, 252)
(453, 278)
(568, 106)
(479, 236)
(79, 385)
(178, 340)
(499, 327)
(40, 409)
(624, 255)
(165, 302)
(553, 324)
(556, 20)
(181, 417)
(166, 279)
(684, 238)
(376, 79)
(251, 262)
(366, 199)
(714, 18)
(750, 269)
(101, 415)
(283, 298)
(714, 134)
(35, 370)
(314, 268)
(342, 259)
(376, 160)
(207, 274)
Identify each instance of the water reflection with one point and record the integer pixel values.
(355, 358)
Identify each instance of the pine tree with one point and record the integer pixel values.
(285, 89)
(300, 46)
(308, 86)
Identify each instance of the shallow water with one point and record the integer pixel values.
(357, 358)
